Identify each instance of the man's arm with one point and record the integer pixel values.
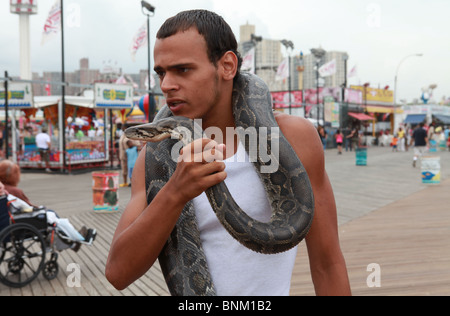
(144, 229)
(327, 264)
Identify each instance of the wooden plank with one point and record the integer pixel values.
(409, 240)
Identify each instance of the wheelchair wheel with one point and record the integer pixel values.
(22, 254)
(51, 268)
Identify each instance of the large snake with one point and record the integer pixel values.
(288, 189)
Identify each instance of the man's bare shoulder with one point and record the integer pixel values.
(296, 127)
(304, 139)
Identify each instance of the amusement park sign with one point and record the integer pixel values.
(113, 96)
(19, 95)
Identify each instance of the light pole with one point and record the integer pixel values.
(301, 69)
(289, 44)
(318, 54)
(149, 10)
(396, 74)
(255, 40)
(344, 87)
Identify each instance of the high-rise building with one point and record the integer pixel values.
(268, 56)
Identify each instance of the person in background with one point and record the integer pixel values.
(123, 157)
(354, 138)
(401, 139)
(323, 136)
(43, 143)
(79, 135)
(419, 140)
(91, 133)
(98, 132)
(394, 143)
(10, 177)
(132, 154)
(448, 143)
(339, 140)
(1, 140)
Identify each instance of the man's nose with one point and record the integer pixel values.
(169, 83)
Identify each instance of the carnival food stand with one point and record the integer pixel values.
(86, 140)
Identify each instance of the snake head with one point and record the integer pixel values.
(147, 133)
(178, 127)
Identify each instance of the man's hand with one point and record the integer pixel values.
(199, 167)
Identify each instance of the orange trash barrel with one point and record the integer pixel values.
(105, 187)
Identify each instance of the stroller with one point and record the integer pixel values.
(25, 240)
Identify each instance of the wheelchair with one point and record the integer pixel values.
(25, 241)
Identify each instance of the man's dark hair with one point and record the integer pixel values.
(217, 33)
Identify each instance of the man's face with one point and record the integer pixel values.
(189, 80)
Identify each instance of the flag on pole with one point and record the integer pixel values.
(248, 62)
(48, 89)
(353, 72)
(283, 70)
(328, 69)
(139, 40)
(53, 23)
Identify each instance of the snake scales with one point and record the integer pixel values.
(182, 259)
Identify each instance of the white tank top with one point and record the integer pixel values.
(236, 270)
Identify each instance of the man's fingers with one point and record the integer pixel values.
(203, 151)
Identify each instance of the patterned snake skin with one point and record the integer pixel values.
(288, 188)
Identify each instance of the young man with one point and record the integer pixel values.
(420, 141)
(43, 143)
(197, 61)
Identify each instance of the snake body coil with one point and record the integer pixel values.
(288, 189)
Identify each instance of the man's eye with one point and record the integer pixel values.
(183, 70)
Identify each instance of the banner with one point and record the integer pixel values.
(332, 113)
(53, 23)
(311, 95)
(353, 72)
(248, 62)
(376, 96)
(19, 95)
(328, 69)
(113, 96)
(280, 99)
(353, 96)
(283, 70)
(139, 40)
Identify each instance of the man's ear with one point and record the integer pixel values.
(229, 64)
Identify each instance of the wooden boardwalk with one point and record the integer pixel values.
(393, 221)
(91, 261)
(409, 240)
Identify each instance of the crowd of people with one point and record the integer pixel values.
(438, 137)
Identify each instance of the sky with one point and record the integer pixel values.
(377, 35)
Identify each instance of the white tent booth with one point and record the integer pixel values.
(19, 97)
(86, 140)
